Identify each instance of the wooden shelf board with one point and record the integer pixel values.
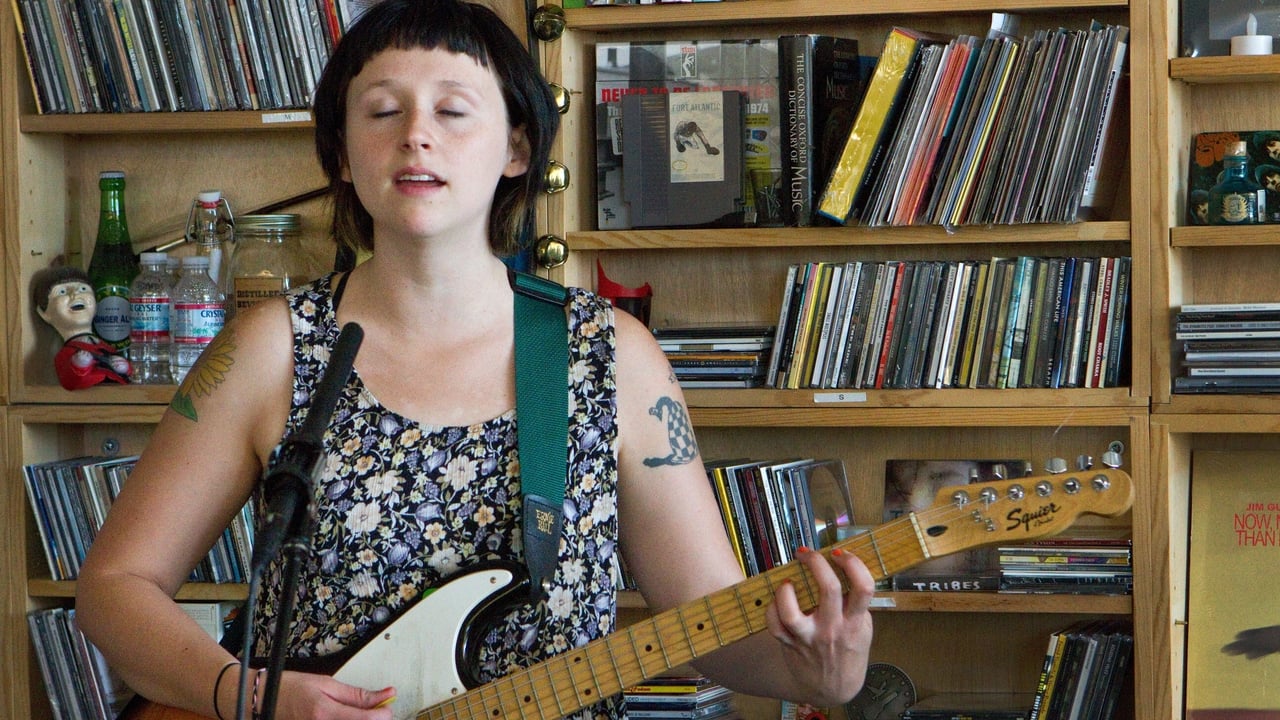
(1245, 414)
(85, 414)
(165, 122)
(204, 592)
(623, 17)
(1226, 69)
(1108, 231)
(99, 394)
(1006, 603)
(1100, 405)
(1224, 235)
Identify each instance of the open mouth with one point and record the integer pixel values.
(419, 179)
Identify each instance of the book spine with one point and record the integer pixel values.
(795, 79)
(862, 296)
(784, 316)
(1094, 194)
(55, 74)
(1080, 330)
(875, 330)
(831, 299)
(891, 322)
(1008, 333)
(955, 334)
(1116, 350)
(851, 170)
(973, 326)
(36, 70)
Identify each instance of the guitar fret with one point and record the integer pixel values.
(665, 658)
(706, 600)
(468, 702)
(595, 681)
(521, 700)
(809, 586)
(555, 692)
(746, 618)
(631, 633)
(617, 667)
(684, 627)
(488, 694)
(875, 547)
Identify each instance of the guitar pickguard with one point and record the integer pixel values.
(433, 633)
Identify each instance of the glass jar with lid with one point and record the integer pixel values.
(267, 260)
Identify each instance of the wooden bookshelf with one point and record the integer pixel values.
(46, 209)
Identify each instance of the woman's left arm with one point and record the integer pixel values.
(677, 549)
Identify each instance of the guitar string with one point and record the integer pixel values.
(893, 533)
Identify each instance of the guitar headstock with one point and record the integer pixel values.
(1021, 509)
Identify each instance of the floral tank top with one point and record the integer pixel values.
(402, 506)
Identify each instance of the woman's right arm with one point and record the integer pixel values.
(198, 470)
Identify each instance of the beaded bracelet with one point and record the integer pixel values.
(217, 683)
(257, 683)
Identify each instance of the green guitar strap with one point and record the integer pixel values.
(542, 419)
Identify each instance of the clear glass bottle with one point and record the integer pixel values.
(198, 315)
(149, 313)
(211, 228)
(113, 265)
(267, 260)
(1235, 200)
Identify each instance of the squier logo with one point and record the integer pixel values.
(1027, 520)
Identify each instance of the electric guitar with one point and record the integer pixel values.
(424, 652)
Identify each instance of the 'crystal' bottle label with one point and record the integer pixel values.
(197, 323)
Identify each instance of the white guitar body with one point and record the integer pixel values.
(418, 652)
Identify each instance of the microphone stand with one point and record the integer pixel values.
(291, 477)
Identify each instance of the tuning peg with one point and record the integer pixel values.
(1112, 459)
(998, 471)
(1084, 462)
(1055, 466)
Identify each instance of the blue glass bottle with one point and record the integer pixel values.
(1235, 199)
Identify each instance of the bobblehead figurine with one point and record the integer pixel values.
(63, 297)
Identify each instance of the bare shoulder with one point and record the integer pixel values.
(248, 366)
(639, 357)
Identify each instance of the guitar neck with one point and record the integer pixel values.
(600, 669)
(961, 518)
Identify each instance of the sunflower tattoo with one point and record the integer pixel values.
(209, 372)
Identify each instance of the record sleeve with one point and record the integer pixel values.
(682, 164)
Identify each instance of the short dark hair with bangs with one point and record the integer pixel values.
(459, 27)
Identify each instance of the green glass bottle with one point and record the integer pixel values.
(113, 265)
(1235, 199)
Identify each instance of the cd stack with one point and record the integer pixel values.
(686, 697)
(1079, 564)
(718, 355)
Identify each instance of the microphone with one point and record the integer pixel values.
(296, 462)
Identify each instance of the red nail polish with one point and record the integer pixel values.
(802, 549)
(837, 552)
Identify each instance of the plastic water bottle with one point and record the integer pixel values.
(149, 321)
(198, 315)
